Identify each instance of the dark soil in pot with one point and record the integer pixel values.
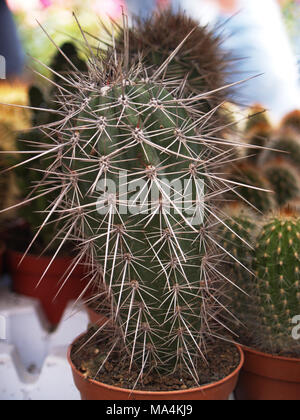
(223, 358)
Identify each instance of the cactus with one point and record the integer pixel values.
(248, 175)
(286, 142)
(259, 136)
(237, 238)
(257, 115)
(277, 288)
(200, 62)
(284, 179)
(292, 121)
(121, 126)
(294, 205)
(30, 176)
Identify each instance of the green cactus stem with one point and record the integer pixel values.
(261, 198)
(284, 179)
(277, 266)
(137, 184)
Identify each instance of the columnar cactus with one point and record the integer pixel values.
(259, 136)
(29, 176)
(286, 142)
(284, 179)
(136, 184)
(277, 288)
(292, 121)
(236, 237)
(248, 176)
(257, 115)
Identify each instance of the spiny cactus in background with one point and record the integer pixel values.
(257, 115)
(294, 205)
(277, 288)
(29, 176)
(284, 179)
(248, 176)
(62, 67)
(200, 62)
(286, 142)
(236, 237)
(259, 136)
(292, 121)
(122, 127)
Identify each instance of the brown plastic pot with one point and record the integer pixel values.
(268, 378)
(26, 276)
(96, 391)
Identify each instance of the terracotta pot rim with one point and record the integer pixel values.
(268, 355)
(157, 393)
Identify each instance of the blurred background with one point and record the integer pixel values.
(263, 38)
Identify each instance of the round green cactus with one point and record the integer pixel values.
(277, 294)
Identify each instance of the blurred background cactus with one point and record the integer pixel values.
(272, 161)
(236, 237)
(277, 288)
(270, 295)
(246, 176)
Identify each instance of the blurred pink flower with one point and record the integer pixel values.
(112, 8)
(46, 3)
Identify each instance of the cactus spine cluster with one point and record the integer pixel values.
(277, 289)
(137, 185)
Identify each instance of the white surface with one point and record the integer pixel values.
(33, 362)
